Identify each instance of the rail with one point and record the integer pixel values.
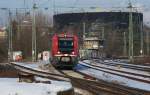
(43, 74)
(98, 86)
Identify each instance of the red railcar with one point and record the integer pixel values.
(64, 50)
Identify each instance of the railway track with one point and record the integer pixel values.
(127, 60)
(134, 76)
(124, 65)
(30, 71)
(97, 87)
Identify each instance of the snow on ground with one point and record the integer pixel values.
(116, 72)
(113, 78)
(122, 69)
(127, 69)
(11, 86)
(127, 61)
(124, 63)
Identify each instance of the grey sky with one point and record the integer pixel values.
(73, 3)
(103, 4)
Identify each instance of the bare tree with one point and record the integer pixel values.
(22, 33)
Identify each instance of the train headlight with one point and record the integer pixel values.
(65, 35)
(66, 55)
(58, 52)
(73, 53)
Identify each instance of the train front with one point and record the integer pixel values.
(64, 50)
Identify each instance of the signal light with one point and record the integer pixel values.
(73, 52)
(66, 55)
(65, 35)
(58, 52)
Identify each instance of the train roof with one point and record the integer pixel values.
(65, 35)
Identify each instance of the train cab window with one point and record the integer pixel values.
(65, 45)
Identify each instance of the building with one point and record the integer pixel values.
(2, 33)
(110, 27)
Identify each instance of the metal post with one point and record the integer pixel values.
(103, 35)
(130, 34)
(148, 42)
(10, 49)
(125, 44)
(33, 35)
(101, 51)
(83, 31)
(54, 11)
(141, 28)
(84, 39)
(11, 39)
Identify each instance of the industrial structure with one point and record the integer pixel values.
(110, 29)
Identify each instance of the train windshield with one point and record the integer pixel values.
(65, 45)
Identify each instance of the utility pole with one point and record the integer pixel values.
(34, 34)
(11, 38)
(24, 3)
(83, 37)
(54, 8)
(141, 28)
(103, 35)
(84, 30)
(10, 49)
(125, 44)
(130, 33)
(101, 46)
(148, 42)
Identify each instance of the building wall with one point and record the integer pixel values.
(2, 34)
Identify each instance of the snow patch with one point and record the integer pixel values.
(11, 86)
